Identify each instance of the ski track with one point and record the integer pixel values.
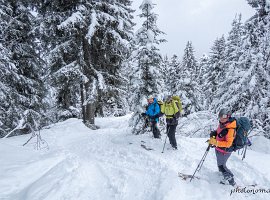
(109, 163)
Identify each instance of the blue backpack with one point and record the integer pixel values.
(243, 127)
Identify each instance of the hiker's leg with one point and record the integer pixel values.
(171, 135)
(155, 129)
(167, 132)
(158, 131)
(221, 163)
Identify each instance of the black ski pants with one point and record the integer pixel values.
(171, 134)
(155, 129)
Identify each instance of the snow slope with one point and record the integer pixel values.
(110, 164)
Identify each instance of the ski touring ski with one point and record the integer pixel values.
(240, 186)
(146, 148)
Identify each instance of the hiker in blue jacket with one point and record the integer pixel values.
(153, 111)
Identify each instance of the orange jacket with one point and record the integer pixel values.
(227, 140)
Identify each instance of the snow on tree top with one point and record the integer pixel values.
(147, 2)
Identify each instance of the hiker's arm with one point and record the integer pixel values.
(147, 112)
(229, 139)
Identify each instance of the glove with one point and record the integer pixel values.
(213, 134)
(212, 141)
(223, 133)
(143, 114)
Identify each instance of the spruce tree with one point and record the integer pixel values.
(215, 71)
(146, 77)
(245, 88)
(110, 48)
(21, 87)
(232, 68)
(186, 86)
(89, 45)
(173, 75)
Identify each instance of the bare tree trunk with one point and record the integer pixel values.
(90, 109)
(90, 113)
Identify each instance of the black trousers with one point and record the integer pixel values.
(171, 134)
(155, 129)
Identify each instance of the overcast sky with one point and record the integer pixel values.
(199, 21)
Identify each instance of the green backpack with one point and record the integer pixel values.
(178, 103)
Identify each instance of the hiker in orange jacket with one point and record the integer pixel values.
(222, 139)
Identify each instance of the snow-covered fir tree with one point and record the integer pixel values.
(21, 87)
(262, 6)
(215, 71)
(203, 69)
(164, 66)
(186, 85)
(85, 55)
(173, 74)
(234, 42)
(110, 48)
(232, 68)
(189, 63)
(63, 29)
(146, 77)
(245, 88)
(252, 87)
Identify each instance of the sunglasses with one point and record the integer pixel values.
(224, 117)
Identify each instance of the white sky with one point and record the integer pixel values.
(199, 21)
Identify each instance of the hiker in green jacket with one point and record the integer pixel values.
(172, 108)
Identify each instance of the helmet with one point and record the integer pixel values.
(224, 113)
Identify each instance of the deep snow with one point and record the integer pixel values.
(110, 164)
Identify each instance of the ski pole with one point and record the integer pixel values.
(247, 143)
(164, 144)
(201, 162)
(165, 140)
(245, 151)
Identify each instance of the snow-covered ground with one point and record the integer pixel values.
(110, 164)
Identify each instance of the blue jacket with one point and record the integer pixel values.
(153, 109)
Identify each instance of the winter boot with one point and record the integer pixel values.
(228, 181)
(231, 181)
